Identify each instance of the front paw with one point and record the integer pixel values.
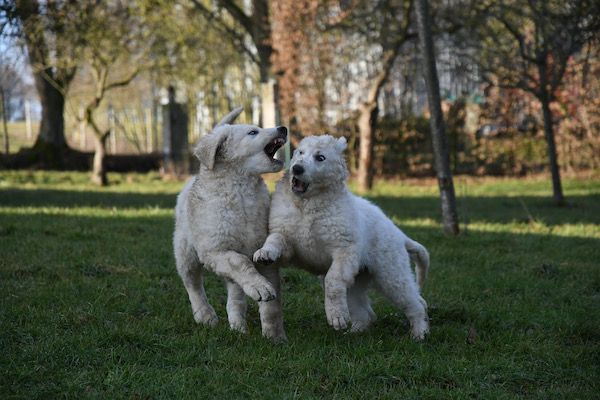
(339, 319)
(260, 291)
(266, 256)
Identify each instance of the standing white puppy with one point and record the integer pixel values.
(221, 219)
(317, 224)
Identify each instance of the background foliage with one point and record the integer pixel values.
(325, 56)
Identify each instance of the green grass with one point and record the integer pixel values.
(92, 306)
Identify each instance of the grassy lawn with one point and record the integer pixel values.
(92, 306)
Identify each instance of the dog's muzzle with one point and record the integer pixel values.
(298, 187)
(275, 144)
(297, 169)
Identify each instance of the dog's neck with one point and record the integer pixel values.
(226, 175)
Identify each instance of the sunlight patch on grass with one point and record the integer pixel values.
(89, 211)
(582, 230)
(562, 230)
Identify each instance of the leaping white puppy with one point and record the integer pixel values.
(221, 219)
(317, 224)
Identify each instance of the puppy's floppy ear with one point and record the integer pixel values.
(229, 118)
(208, 146)
(341, 144)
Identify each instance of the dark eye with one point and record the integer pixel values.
(320, 157)
(253, 132)
(300, 152)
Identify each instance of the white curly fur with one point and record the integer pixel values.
(317, 224)
(221, 219)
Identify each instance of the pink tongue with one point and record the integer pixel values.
(299, 186)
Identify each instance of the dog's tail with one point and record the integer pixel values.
(419, 255)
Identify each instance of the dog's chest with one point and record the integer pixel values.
(235, 219)
(245, 214)
(316, 238)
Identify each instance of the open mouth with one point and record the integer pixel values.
(272, 147)
(299, 187)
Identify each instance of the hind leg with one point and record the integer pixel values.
(359, 304)
(190, 271)
(236, 307)
(399, 287)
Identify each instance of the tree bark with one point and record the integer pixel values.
(438, 134)
(52, 126)
(366, 129)
(544, 96)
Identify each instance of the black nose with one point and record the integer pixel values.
(298, 169)
(282, 129)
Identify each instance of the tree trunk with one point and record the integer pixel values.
(366, 128)
(438, 134)
(4, 122)
(51, 82)
(98, 167)
(260, 31)
(52, 126)
(367, 119)
(558, 198)
(258, 26)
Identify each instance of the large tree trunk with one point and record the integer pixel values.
(52, 126)
(51, 81)
(557, 197)
(438, 134)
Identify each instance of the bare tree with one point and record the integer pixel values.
(440, 144)
(393, 33)
(116, 48)
(527, 45)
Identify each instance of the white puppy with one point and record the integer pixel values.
(221, 219)
(317, 224)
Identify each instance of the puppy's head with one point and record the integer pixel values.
(248, 147)
(317, 163)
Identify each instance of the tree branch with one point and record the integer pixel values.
(238, 14)
(210, 16)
